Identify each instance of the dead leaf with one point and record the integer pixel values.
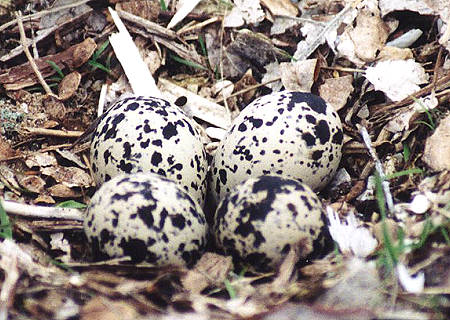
(69, 176)
(61, 191)
(393, 53)
(32, 183)
(369, 35)
(249, 50)
(5, 149)
(8, 178)
(298, 75)
(336, 91)
(356, 288)
(437, 147)
(43, 198)
(54, 108)
(101, 308)
(280, 7)
(146, 9)
(245, 82)
(70, 156)
(249, 11)
(69, 85)
(40, 159)
(211, 269)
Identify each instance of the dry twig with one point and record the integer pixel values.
(26, 210)
(23, 40)
(379, 168)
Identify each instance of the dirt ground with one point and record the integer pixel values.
(384, 66)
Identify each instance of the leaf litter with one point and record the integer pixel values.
(382, 64)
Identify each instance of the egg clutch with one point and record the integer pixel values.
(150, 161)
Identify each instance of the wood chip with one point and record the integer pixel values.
(22, 76)
(197, 106)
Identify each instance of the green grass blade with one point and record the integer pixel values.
(163, 5)
(100, 50)
(56, 68)
(5, 225)
(445, 234)
(62, 265)
(404, 173)
(202, 45)
(188, 63)
(425, 123)
(391, 252)
(96, 65)
(71, 204)
(431, 123)
(230, 289)
(406, 152)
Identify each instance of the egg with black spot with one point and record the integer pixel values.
(261, 219)
(293, 134)
(146, 217)
(148, 134)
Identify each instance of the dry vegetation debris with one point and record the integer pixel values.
(383, 65)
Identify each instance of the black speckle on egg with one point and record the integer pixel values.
(252, 224)
(137, 250)
(309, 139)
(322, 131)
(292, 133)
(242, 127)
(156, 158)
(148, 134)
(147, 218)
(169, 131)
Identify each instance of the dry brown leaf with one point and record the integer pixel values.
(394, 53)
(280, 7)
(69, 176)
(299, 75)
(5, 149)
(32, 183)
(40, 159)
(437, 148)
(336, 91)
(44, 198)
(69, 85)
(54, 108)
(70, 156)
(61, 191)
(246, 81)
(211, 269)
(101, 308)
(369, 35)
(146, 9)
(356, 288)
(8, 177)
(22, 76)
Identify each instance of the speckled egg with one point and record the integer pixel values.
(146, 217)
(147, 134)
(261, 219)
(293, 134)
